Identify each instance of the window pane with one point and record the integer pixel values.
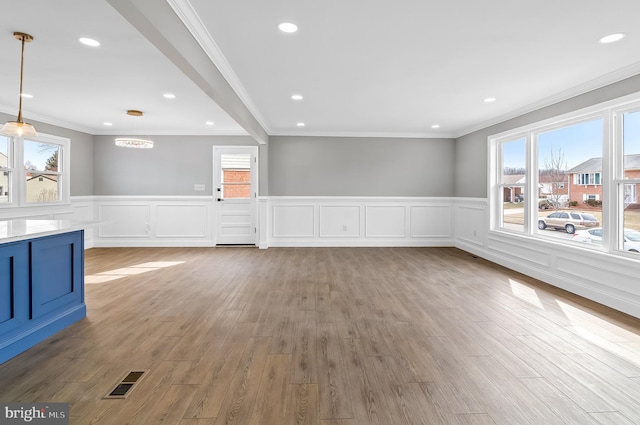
(39, 160)
(5, 182)
(236, 176)
(570, 179)
(512, 214)
(5, 175)
(40, 156)
(631, 139)
(512, 182)
(4, 152)
(42, 187)
(513, 161)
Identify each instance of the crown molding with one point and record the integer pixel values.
(362, 134)
(9, 110)
(580, 89)
(220, 132)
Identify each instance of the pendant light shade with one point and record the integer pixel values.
(134, 142)
(20, 128)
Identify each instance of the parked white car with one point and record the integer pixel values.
(631, 238)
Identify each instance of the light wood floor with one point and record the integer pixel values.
(331, 336)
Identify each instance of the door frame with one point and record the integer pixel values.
(255, 184)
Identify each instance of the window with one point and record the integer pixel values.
(42, 179)
(41, 171)
(512, 181)
(6, 170)
(565, 150)
(587, 179)
(585, 167)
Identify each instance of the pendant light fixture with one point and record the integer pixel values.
(20, 128)
(132, 142)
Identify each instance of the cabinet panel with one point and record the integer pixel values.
(14, 289)
(56, 275)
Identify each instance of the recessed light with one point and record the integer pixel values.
(611, 38)
(108, 124)
(89, 42)
(209, 123)
(489, 99)
(169, 95)
(296, 97)
(26, 95)
(288, 27)
(300, 124)
(435, 126)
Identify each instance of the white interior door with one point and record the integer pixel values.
(235, 177)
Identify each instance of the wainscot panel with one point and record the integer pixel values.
(385, 221)
(340, 221)
(180, 221)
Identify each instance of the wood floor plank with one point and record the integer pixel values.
(217, 378)
(474, 419)
(274, 389)
(304, 357)
(240, 399)
(611, 418)
(333, 386)
(302, 405)
(368, 402)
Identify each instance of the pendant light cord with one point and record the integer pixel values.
(21, 73)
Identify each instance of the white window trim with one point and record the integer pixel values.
(612, 174)
(18, 188)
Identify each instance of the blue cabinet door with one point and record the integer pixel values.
(14, 286)
(57, 273)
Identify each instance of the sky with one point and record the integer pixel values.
(578, 142)
(38, 153)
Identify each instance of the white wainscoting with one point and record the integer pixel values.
(355, 221)
(154, 221)
(612, 280)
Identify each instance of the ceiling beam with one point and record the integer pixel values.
(157, 22)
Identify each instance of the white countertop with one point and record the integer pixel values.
(16, 230)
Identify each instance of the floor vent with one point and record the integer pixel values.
(125, 385)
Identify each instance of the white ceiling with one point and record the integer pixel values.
(364, 67)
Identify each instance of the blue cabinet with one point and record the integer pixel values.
(41, 289)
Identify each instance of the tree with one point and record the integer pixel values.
(556, 172)
(512, 171)
(52, 162)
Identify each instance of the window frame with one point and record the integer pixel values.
(17, 181)
(612, 179)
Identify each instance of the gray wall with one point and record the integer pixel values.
(342, 166)
(81, 154)
(172, 167)
(471, 149)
